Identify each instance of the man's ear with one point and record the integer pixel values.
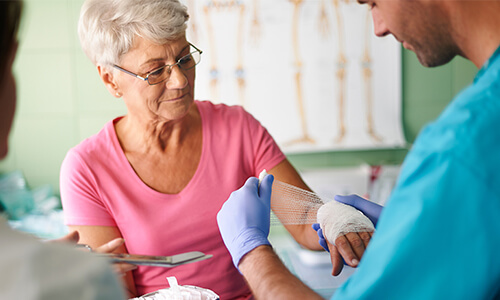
(109, 81)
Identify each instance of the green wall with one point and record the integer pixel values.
(62, 101)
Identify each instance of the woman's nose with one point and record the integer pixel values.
(177, 79)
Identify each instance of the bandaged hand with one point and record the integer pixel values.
(347, 233)
(244, 219)
(337, 219)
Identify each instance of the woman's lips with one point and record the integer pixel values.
(175, 99)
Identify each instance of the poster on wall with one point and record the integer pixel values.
(311, 71)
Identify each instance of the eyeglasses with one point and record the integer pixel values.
(161, 74)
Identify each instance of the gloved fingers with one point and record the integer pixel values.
(351, 247)
(324, 244)
(336, 258)
(266, 186)
(352, 200)
(251, 187)
(368, 208)
(321, 240)
(252, 182)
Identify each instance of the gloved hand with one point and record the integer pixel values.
(370, 209)
(322, 240)
(244, 219)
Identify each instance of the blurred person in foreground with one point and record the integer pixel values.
(438, 236)
(31, 269)
(158, 175)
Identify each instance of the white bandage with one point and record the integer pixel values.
(337, 219)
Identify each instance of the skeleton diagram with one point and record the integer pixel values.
(305, 138)
(341, 69)
(193, 21)
(212, 9)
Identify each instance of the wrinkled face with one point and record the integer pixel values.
(421, 26)
(7, 104)
(168, 100)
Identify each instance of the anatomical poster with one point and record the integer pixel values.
(311, 71)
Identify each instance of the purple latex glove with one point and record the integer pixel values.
(244, 219)
(322, 240)
(370, 209)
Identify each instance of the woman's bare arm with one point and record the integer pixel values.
(95, 237)
(303, 234)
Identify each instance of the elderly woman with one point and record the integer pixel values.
(158, 176)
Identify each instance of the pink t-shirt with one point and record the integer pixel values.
(100, 188)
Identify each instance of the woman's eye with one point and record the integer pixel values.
(157, 72)
(186, 59)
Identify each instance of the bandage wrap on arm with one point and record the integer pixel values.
(337, 219)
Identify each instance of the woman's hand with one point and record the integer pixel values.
(109, 247)
(348, 249)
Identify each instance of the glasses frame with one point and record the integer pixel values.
(146, 78)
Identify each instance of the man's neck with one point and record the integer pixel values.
(476, 26)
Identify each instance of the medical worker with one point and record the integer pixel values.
(439, 235)
(30, 269)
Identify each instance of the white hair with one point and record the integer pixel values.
(107, 28)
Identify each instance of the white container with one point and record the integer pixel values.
(179, 292)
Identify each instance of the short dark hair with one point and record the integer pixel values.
(10, 16)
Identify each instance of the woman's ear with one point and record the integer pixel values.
(109, 81)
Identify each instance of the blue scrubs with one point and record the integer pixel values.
(439, 235)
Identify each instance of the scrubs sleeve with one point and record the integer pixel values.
(437, 238)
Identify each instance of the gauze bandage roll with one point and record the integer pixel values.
(337, 219)
(291, 205)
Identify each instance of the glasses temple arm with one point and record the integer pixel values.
(130, 73)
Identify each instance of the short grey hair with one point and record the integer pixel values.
(107, 28)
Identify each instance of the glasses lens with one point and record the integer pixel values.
(158, 75)
(186, 62)
(192, 59)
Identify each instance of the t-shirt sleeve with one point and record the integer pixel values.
(80, 198)
(267, 153)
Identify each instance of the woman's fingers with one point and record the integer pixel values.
(110, 246)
